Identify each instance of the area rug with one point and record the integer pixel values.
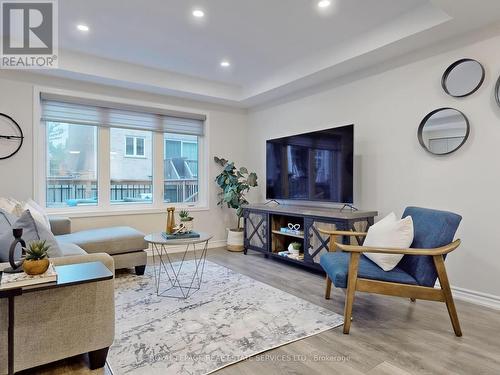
(231, 318)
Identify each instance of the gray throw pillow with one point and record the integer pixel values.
(6, 221)
(32, 231)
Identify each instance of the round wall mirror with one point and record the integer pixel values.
(443, 131)
(497, 92)
(463, 77)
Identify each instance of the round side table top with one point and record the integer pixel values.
(157, 238)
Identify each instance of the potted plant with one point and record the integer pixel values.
(36, 261)
(187, 220)
(234, 184)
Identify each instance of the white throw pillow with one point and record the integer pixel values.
(9, 205)
(37, 212)
(389, 233)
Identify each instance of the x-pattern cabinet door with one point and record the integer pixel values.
(256, 230)
(317, 243)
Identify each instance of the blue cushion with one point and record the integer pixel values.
(336, 265)
(432, 228)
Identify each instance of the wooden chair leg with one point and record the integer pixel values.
(445, 287)
(328, 289)
(351, 289)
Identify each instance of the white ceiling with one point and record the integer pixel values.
(259, 37)
(275, 46)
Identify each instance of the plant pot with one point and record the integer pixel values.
(293, 250)
(189, 225)
(35, 267)
(235, 240)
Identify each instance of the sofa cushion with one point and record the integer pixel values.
(336, 265)
(6, 221)
(114, 240)
(69, 249)
(10, 205)
(32, 231)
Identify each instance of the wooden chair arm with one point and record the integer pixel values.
(342, 233)
(432, 252)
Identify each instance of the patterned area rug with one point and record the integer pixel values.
(231, 318)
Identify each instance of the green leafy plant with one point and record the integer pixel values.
(234, 184)
(296, 245)
(184, 215)
(37, 250)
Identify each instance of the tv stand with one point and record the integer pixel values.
(271, 201)
(265, 229)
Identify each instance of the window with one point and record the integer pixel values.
(71, 177)
(180, 168)
(103, 156)
(131, 178)
(134, 146)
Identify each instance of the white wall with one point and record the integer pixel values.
(227, 138)
(392, 170)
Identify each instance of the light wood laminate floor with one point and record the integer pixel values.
(389, 335)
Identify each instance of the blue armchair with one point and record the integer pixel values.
(414, 277)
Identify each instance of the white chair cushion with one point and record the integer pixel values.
(389, 233)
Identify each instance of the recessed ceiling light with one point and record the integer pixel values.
(198, 13)
(82, 27)
(74, 152)
(324, 3)
(225, 64)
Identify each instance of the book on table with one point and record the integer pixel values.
(22, 279)
(180, 236)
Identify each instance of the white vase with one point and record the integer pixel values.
(235, 240)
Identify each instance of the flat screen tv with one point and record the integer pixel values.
(315, 166)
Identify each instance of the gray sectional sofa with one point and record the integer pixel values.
(54, 324)
(126, 245)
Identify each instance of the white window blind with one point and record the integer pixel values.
(69, 111)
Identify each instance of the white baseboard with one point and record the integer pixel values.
(181, 248)
(477, 298)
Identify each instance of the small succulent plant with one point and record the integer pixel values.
(37, 250)
(184, 215)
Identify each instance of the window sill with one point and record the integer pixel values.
(117, 211)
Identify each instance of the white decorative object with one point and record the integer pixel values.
(189, 225)
(292, 250)
(234, 240)
(389, 233)
(294, 227)
(183, 227)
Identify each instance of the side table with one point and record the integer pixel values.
(67, 275)
(173, 269)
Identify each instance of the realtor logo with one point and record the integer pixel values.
(29, 34)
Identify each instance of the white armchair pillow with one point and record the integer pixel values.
(389, 233)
